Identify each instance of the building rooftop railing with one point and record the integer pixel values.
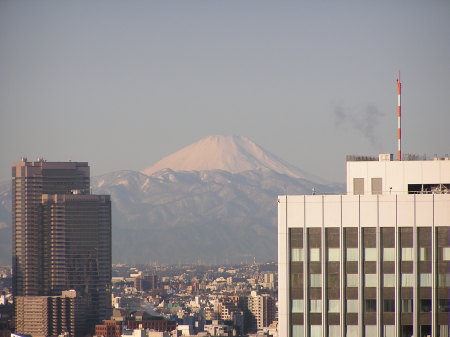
(354, 157)
(414, 157)
(405, 157)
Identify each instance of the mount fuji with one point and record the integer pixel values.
(234, 154)
(211, 202)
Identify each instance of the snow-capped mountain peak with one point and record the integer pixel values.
(233, 154)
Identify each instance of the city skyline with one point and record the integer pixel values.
(151, 78)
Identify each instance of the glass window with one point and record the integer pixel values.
(370, 305)
(352, 254)
(444, 305)
(370, 254)
(443, 330)
(388, 254)
(334, 331)
(333, 280)
(314, 254)
(389, 280)
(446, 253)
(352, 280)
(370, 280)
(389, 306)
(407, 305)
(389, 330)
(297, 306)
(425, 305)
(407, 280)
(316, 331)
(315, 280)
(315, 306)
(334, 254)
(425, 254)
(297, 254)
(334, 306)
(444, 280)
(297, 280)
(352, 306)
(425, 280)
(370, 331)
(297, 331)
(352, 331)
(407, 254)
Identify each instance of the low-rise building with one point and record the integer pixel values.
(42, 316)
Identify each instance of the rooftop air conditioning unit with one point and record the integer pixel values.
(385, 157)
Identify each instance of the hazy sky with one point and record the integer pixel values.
(122, 84)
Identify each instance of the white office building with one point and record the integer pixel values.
(372, 262)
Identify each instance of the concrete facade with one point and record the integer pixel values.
(30, 180)
(61, 240)
(262, 310)
(42, 316)
(399, 177)
(368, 264)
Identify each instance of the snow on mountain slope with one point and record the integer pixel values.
(233, 154)
(173, 216)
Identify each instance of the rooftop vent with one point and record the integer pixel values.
(385, 157)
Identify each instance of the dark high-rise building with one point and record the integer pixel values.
(61, 236)
(77, 232)
(146, 282)
(30, 180)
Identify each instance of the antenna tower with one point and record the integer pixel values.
(399, 117)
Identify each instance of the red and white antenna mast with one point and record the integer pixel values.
(399, 117)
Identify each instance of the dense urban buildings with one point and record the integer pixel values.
(188, 300)
(61, 242)
(373, 262)
(202, 300)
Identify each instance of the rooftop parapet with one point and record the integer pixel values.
(390, 157)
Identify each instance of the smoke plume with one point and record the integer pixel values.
(364, 121)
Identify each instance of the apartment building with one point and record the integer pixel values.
(61, 242)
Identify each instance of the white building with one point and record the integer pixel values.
(158, 334)
(262, 309)
(116, 301)
(185, 329)
(372, 262)
(144, 333)
(268, 280)
(134, 333)
(216, 329)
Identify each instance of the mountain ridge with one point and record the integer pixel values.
(181, 215)
(212, 215)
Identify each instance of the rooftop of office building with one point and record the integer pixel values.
(390, 157)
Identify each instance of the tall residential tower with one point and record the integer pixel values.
(61, 238)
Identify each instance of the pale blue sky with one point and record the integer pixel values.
(122, 84)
